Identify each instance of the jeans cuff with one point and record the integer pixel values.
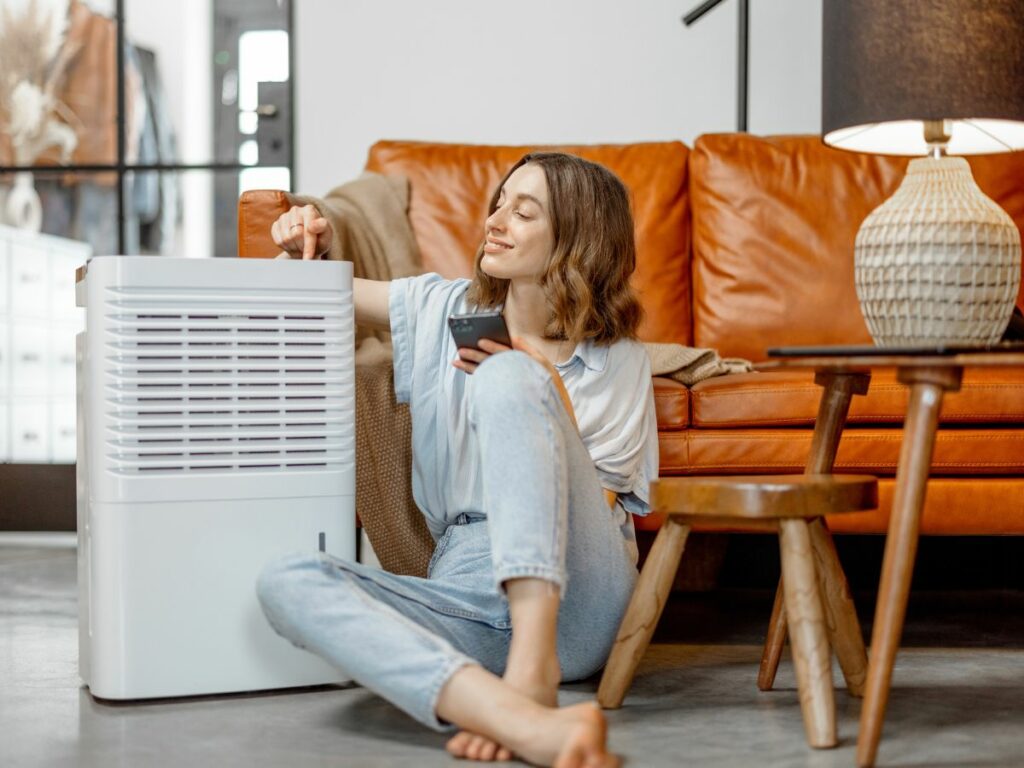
(503, 573)
(430, 718)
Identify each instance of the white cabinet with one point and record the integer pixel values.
(5, 278)
(62, 431)
(30, 429)
(5, 434)
(5, 361)
(30, 280)
(38, 324)
(30, 357)
(61, 358)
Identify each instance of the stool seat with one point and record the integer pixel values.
(764, 496)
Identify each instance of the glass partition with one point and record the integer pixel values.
(126, 127)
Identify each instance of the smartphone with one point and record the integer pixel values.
(467, 330)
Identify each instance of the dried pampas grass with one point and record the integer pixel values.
(33, 61)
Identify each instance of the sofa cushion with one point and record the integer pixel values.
(671, 404)
(790, 398)
(452, 184)
(774, 222)
(873, 451)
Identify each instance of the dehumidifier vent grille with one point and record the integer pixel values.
(199, 381)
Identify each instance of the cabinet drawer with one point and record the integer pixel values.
(62, 431)
(5, 359)
(63, 263)
(30, 430)
(61, 356)
(29, 358)
(29, 280)
(5, 430)
(5, 275)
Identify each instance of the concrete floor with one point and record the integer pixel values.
(958, 696)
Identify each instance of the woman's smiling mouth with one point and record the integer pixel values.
(495, 246)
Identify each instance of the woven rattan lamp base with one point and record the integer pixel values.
(938, 262)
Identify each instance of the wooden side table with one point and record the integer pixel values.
(929, 375)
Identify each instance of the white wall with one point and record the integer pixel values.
(532, 71)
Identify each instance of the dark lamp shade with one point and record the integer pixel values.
(887, 65)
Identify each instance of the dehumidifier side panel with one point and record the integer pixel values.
(82, 508)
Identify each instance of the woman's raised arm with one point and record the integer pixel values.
(302, 233)
(371, 300)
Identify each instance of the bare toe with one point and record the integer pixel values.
(487, 751)
(457, 744)
(503, 755)
(476, 747)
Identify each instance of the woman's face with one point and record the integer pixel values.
(519, 235)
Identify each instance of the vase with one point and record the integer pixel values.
(22, 208)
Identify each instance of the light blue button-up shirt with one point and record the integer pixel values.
(609, 385)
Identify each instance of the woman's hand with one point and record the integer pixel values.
(302, 233)
(470, 358)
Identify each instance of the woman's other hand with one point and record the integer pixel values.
(470, 358)
(302, 233)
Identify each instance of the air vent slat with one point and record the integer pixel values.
(207, 381)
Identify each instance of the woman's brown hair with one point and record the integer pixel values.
(586, 279)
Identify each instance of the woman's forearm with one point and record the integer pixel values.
(371, 303)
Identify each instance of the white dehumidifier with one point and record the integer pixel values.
(216, 431)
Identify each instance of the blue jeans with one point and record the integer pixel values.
(546, 517)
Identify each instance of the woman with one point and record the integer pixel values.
(517, 454)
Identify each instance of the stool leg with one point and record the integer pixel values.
(805, 616)
(773, 643)
(843, 627)
(642, 615)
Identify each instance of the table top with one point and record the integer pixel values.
(843, 358)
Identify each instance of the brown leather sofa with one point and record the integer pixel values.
(746, 243)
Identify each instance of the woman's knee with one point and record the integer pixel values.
(278, 583)
(506, 378)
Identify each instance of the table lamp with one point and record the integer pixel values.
(938, 263)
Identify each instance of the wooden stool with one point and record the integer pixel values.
(783, 503)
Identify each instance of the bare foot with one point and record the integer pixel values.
(571, 737)
(542, 687)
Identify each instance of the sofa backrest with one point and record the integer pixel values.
(452, 184)
(773, 227)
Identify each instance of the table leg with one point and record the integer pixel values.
(841, 616)
(927, 388)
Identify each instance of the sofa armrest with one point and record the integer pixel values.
(257, 210)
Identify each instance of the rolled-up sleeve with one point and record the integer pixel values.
(416, 307)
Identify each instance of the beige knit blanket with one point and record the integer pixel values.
(370, 220)
(690, 365)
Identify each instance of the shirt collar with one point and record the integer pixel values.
(593, 356)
